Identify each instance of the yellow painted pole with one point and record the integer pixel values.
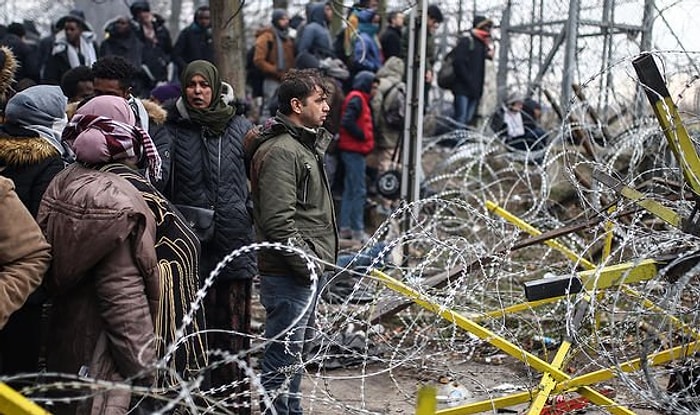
(547, 383)
(495, 340)
(13, 403)
(493, 207)
(427, 401)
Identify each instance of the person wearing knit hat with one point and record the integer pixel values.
(30, 155)
(164, 93)
(273, 56)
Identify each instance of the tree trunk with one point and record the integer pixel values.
(280, 4)
(174, 20)
(229, 42)
(99, 13)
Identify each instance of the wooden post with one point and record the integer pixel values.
(229, 42)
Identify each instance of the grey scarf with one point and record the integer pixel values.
(281, 35)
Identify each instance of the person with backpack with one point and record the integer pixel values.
(388, 109)
(469, 64)
(274, 56)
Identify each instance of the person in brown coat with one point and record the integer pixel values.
(274, 55)
(24, 253)
(104, 278)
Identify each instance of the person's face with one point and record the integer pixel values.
(122, 25)
(433, 25)
(328, 12)
(83, 90)
(313, 110)
(516, 106)
(144, 16)
(398, 20)
(198, 92)
(537, 113)
(204, 18)
(375, 88)
(283, 23)
(110, 87)
(73, 31)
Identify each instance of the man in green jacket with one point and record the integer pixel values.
(292, 207)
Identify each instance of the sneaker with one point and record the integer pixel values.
(345, 233)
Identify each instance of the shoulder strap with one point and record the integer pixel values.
(386, 94)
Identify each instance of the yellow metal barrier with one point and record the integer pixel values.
(13, 403)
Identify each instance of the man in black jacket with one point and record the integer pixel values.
(195, 41)
(471, 53)
(156, 41)
(391, 38)
(74, 46)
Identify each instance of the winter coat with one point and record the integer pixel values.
(391, 87)
(104, 282)
(58, 64)
(156, 55)
(27, 56)
(126, 45)
(206, 171)
(316, 37)
(469, 67)
(266, 52)
(30, 161)
(24, 253)
(193, 43)
(291, 197)
(356, 126)
(366, 54)
(390, 41)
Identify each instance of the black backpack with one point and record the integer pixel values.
(254, 76)
(446, 76)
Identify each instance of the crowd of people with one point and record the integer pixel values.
(129, 170)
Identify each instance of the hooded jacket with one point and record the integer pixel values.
(292, 203)
(104, 280)
(126, 45)
(367, 55)
(316, 37)
(193, 43)
(391, 87)
(30, 161)
(356, 125)
(24, 253)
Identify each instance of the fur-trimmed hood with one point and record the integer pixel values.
(21, 147)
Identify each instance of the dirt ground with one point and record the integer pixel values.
(380, 388)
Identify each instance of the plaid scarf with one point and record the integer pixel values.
(117, 139)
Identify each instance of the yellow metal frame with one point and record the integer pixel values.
(554, 381)
(12, 402)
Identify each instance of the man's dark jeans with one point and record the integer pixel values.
(289, 306)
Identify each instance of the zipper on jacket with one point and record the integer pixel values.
(307, 179)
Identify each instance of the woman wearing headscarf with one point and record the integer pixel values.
(104, 279)
(208, 171)
(31, 154)
(177, 248)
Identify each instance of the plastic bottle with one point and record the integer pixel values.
(451, 393)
